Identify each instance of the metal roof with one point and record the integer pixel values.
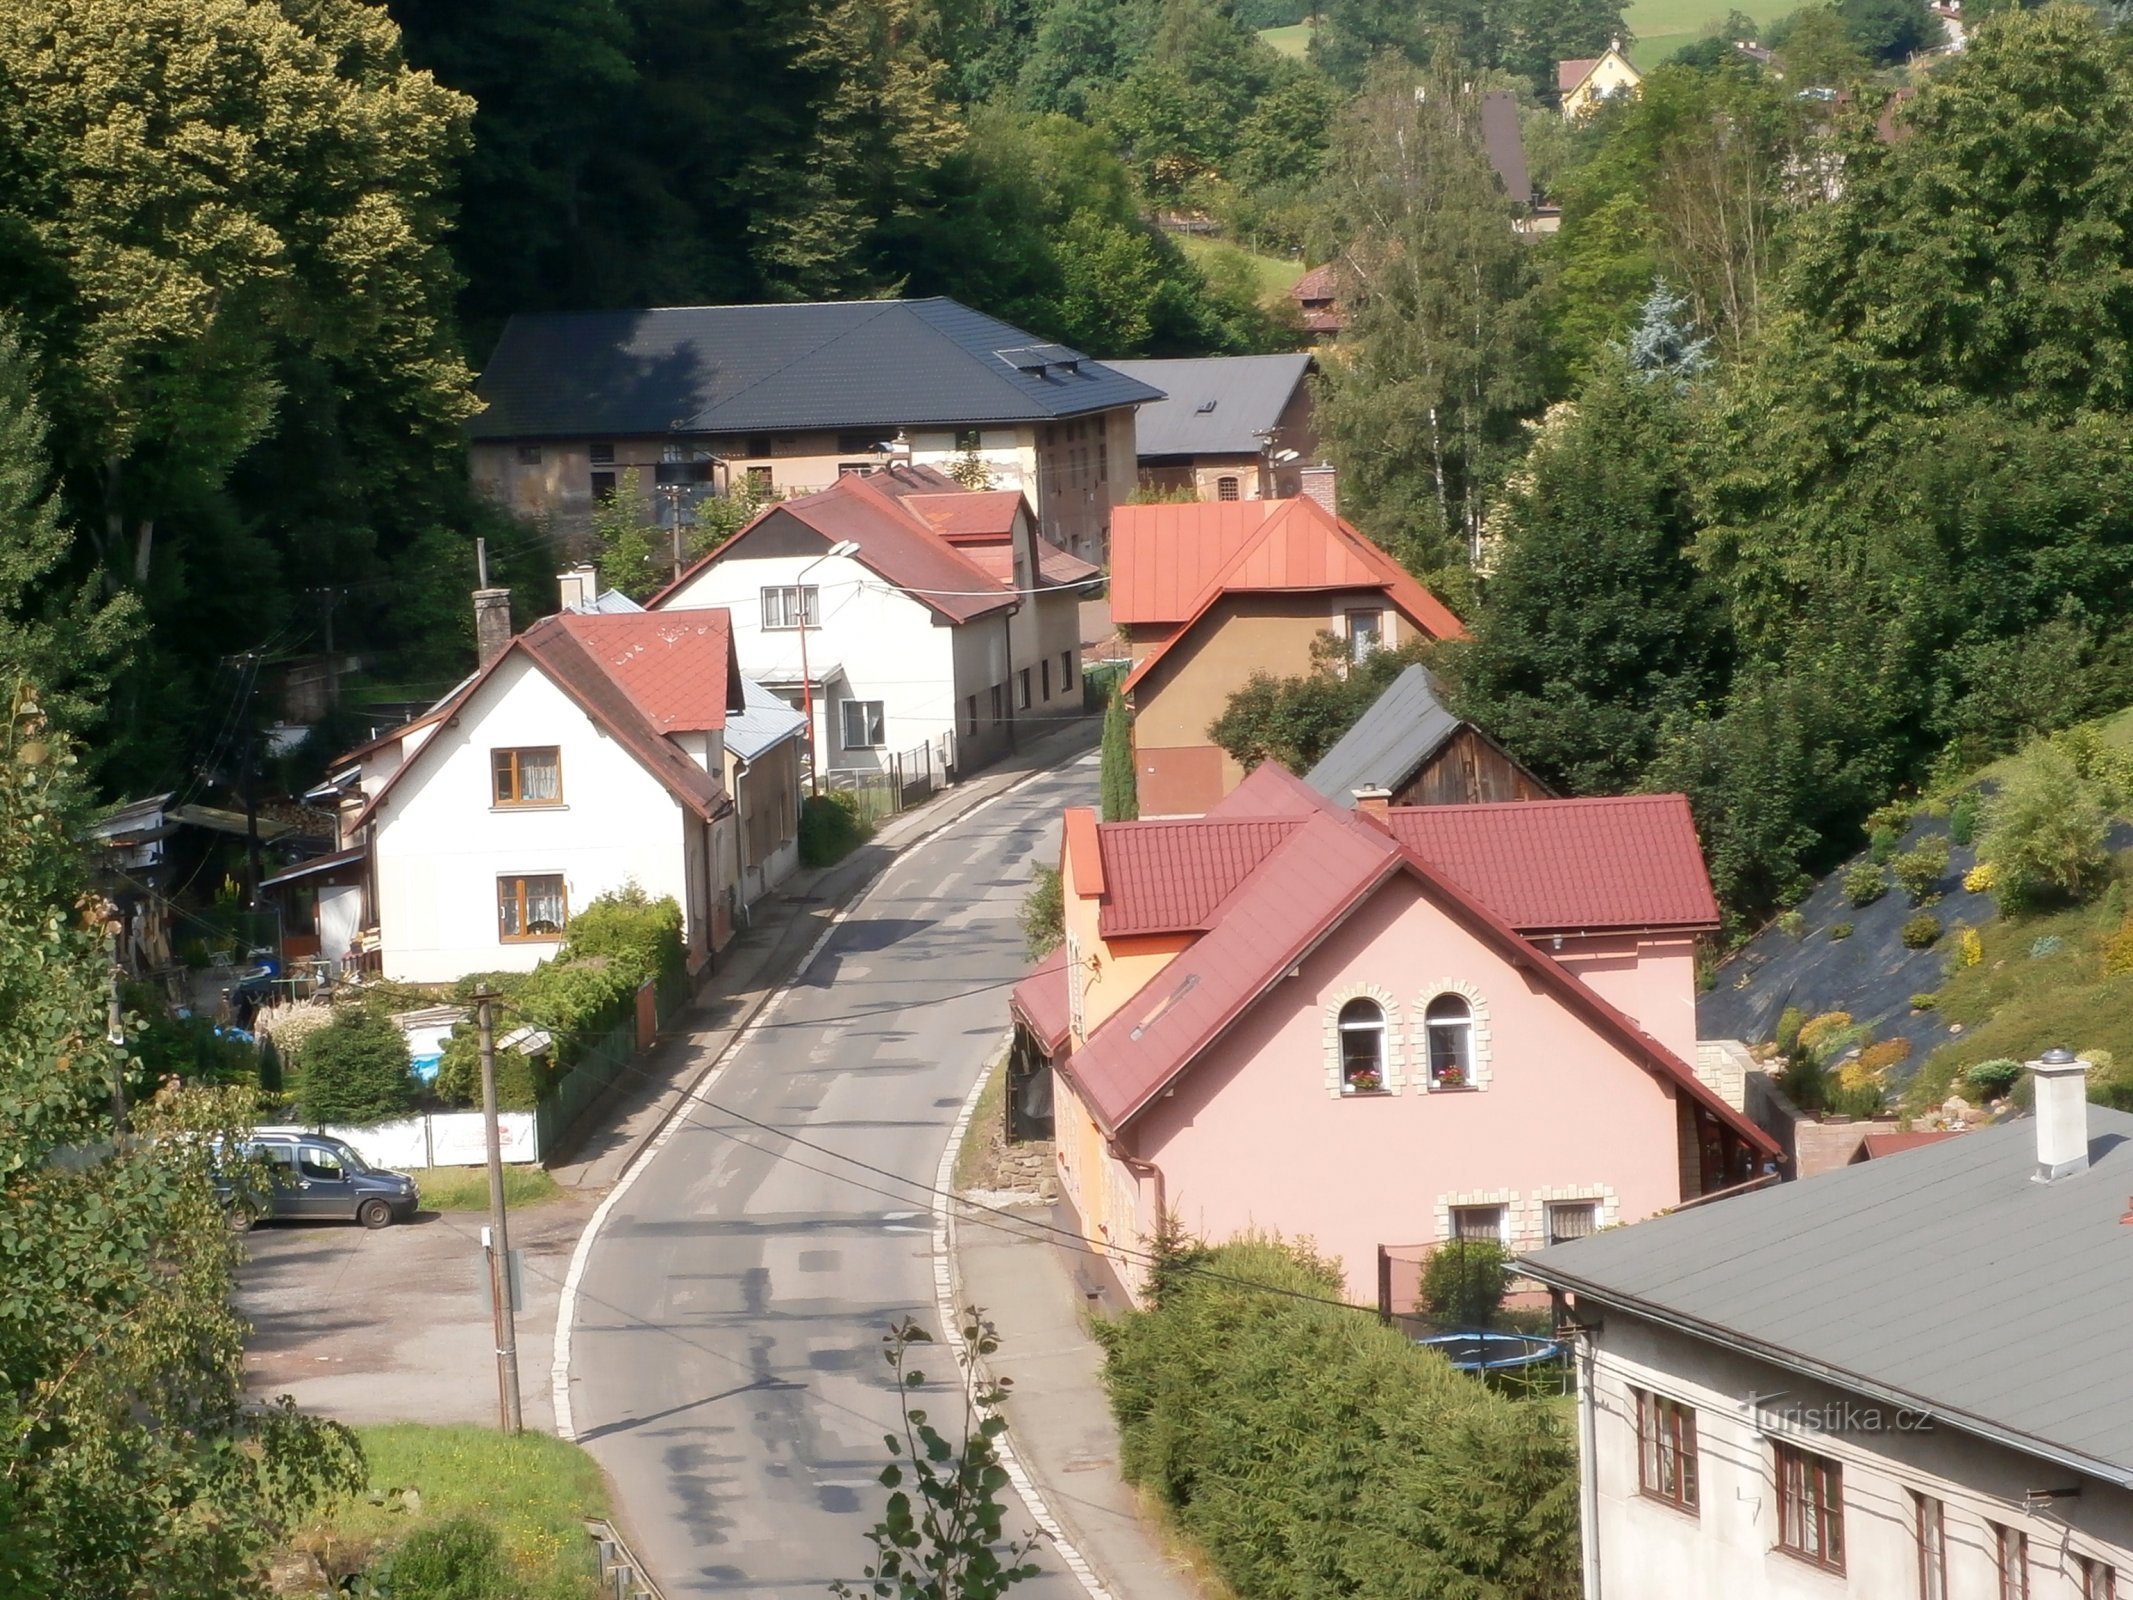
(1214, 406)
(771, 368)
(766, 722)
(1404, 727)
(1945, 1278)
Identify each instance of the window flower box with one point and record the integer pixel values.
(1363, 1083)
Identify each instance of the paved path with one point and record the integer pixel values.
(725, 1362)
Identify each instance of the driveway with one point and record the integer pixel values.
(392, 1325)
(725, 1365)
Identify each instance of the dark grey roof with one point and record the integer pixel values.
(1944, 1278)
(1403, 728)
(1215, 406)
(1505, 143)
(745, 369)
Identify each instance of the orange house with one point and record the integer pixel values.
(1208, 594)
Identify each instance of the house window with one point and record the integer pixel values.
(792, 606)
(759, 480)
(1666, 1450)
(1448, 1024)
(1024, 686)
(529, 455)
(530, 908)
(999, 701)
(970, 714)
(1046, 676)
(969, 439)
(1225, 488)
(1930, 1519)
(1103, 461)
(1478, 1224)
(603, 486)
(600, 455)
(2010, 1560)
(1362, 1031)
(1066, 670)
(1366, 632)
(1810, 1495)
(1572, 1219)
(863, 725)
(527, 777)
(2099, 1579)
(855, 469)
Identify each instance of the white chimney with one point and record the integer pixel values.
(2061, 1081)
(580, 586)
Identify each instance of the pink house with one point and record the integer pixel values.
(1381, 1028)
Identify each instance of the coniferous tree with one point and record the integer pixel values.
(1117, 781)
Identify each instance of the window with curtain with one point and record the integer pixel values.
(1666, 1450)
(530, 907)
(1362, 1036)
(1810, 1507)
(1448, 1025)
(2010, 1556)
(1930, 1518)
(527, 777)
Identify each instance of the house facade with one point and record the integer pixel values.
(946, 630)
(1410, 745)
(789, 398)
(1206, 595)
(1380, 1029)
(1585, 84)
(586, 754)
(1227, 427)
(1898, 1379)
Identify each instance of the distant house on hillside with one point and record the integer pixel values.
(1584, 84)
(1411, 746)
(1228, 427)
(1316, 294)
(1384, 1030)
(1208, 594)
(789, 398)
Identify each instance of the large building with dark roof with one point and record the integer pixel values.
(702, 399)
(1227, 427)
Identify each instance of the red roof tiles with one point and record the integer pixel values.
(676, 666)
(1169, 877)
(1040, 1000)
(1569, 74)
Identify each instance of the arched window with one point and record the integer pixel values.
(1448, 1023)
(1362, 1031)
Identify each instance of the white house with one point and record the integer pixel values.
(1903, 1378)
(587, 752)
(926, 622)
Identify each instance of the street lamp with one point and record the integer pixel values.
(843, 547)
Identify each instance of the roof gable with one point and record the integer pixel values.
(1170, 877)
(736, 369)
(1389, 743)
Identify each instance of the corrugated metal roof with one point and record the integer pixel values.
(764, 722)
(1404, 727)
(1040, 999)
(1951, 1277)
(1163, 557)
(1213, 406)
(738, 369)
(673, 664)
(1170, 876)
(1562, 865)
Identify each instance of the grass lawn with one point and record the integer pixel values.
(1664, 26)
(467, 1188)
(535, 1490)
(974, 1161)
(1276, 274)
(1290, 41)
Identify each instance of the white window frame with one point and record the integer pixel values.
(1382, 1027)
(785, 600)
(1470, 1069)
(878, 720)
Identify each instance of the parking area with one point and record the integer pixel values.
(392, 1324)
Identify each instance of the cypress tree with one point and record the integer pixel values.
(1121, 797)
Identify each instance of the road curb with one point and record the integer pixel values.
(765, 1009)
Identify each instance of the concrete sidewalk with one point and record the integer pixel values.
(783, 927)
(1039, 1294)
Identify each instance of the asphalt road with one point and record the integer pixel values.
(726, 1361)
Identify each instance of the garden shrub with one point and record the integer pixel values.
(195, 1050)
(355, 1071)
(1882, 844)
(1790, 1021)
(1865, 883)
(2118, 951)
(1840, 930)
(2043, 833)
(1980, 878)
(1043, 914)
(1970, 947)
(1962, 817)
(459, 1558)
(1805, 1084)
(1817, 1032)
(830, 828)
(1312, 1452)
(1994, 1079)
(1893, 816)
(1792, 924)
(1876, 1059)
(1920, 869)
(1926, 1000)
(1861, 1100)
(643, 937)
(1920, 932)
(1463, 1284)
(290, 1027)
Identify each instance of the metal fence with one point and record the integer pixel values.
(899, 783)
(602, 1062)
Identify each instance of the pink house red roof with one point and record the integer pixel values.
(1168, 877)
(675, 666)
(1558, 866)
(1040, 1000)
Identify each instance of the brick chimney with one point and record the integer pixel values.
(492, 623)
(2061, 1082)
(1374, 805)
(1320, 483)
(580, 586)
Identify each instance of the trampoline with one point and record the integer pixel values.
(1492, 1352)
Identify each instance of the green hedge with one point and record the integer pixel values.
(830, 828)
(1314, 1453)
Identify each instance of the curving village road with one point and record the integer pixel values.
(725, 1361)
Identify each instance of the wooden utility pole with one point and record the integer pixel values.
(506, 1321)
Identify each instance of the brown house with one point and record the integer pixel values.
(1208, 594)
(1316, 296)
(1411, 746)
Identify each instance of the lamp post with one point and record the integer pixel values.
(843, 547)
